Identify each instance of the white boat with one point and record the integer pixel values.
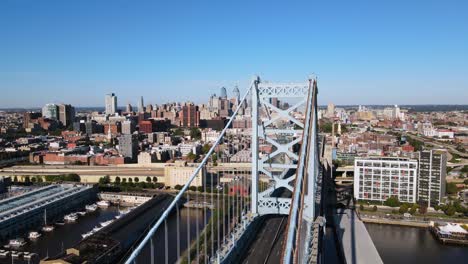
(106, 223)
(103, 204)
(34, 235)
(70, 218)
(19, 242)
(47, 228)
(96, 229)
(85, 235)
(81, 213)
(91, 207)
(118, 216)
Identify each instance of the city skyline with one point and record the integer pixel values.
(362, 54)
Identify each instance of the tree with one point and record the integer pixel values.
(193, 188)
(104, 180)
(155, 179)
(195, 133)
(436, 207)
(136, 179)
(15, 179)
(361, 207)
(33, 179)
(27, 179)
(130, 180)
(214, 159)
(148, 179)
(403, 209)
(191, 156)
(72, 177)
(124, 180)
(392, 201)
(178, 187)
(39, 179)
(413, 209)
(451, 188)
(117, 180)
(178, 132)
(374, 209)
(206, 148)
(450, 210)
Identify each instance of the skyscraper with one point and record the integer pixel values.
(431, 180)
(129, 108)
(223, 94)
(141, 107)
(190, 116)
(66, 114)
(111, 104)
(50, 111)
(236, 94)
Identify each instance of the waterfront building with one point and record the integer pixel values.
(180, 172)
(431, 178)
(22, 213)
(111, 104)
(379, 178)
(50, 111)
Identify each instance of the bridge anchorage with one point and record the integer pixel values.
(273, 167)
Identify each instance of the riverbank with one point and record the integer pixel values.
(394, 222)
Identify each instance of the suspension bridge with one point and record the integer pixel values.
(273, 212)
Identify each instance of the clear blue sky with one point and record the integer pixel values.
(364, 52)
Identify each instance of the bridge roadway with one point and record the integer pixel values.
(268, 245)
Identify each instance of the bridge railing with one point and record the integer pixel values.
(224, 206)
(302, 230)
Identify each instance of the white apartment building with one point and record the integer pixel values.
(378, 178)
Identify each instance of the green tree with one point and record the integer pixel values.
(392, 201)
(124, 180)
(130, 180)
(206, 148)
(104, 180)
(403, 209)
(450, 210)
(136, 179)
(193, 188)
(15, 179)
(178, 187)
(33, 179)
(178, 132)
(451, 188)
(72, 177)
(191, 156)
(117, 180)
(413, 209)
(27, 179)
(214, 159)
(361, 207)
(155, 179)
(374, 209)
(195, 133)
(148, 179)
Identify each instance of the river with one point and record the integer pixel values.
(398, 244)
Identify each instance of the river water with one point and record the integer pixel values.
(398, 244)
(66, 236)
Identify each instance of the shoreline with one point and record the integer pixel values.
(394, 222)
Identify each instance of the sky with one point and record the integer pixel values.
(362, 52)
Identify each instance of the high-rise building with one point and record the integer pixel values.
(431, 180)
(223, 93)
(141, 107)
(50, 111)
(128, 146)
(66, 114)
(378, 179)
(236, 94)
(190, 116)
(111, 104)
(28, 117)
(128, 127)
(129, 108)
(331, 110)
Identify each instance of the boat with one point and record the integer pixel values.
(91, 207)
(34, 235)
(19, 242)
(96, 229)
(60, 223)
(103, 204)
(82, 213)
(85, 235)
(70, 218)
(106, 223)
(47, 228)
